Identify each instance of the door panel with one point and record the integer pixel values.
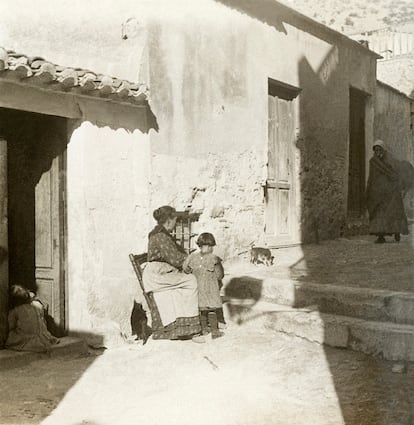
(283, 140)
(48, 241)
(43, 221)
(271, 166)
(284, 212)
(279, 187)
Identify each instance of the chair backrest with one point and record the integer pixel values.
(137, 261)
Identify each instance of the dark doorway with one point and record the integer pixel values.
(36, 205)
(356, 169)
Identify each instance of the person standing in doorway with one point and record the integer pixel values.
(384, 196)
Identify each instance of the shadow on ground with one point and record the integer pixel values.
(34, 384)
(382, 398)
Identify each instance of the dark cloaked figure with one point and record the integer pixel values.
(387, 180)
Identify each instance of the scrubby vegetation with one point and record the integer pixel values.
(351, 16)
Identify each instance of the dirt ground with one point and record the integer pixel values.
(354, 261)
(249, 377)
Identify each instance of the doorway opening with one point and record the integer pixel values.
(36, 156)
(356, 167)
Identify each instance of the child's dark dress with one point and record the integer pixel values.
(208, 270)
(27, 329)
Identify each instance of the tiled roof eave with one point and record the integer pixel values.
(43, 75)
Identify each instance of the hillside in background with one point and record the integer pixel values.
(354, 16)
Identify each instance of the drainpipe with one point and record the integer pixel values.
(4, 248)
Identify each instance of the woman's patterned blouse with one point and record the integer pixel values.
(162, 247)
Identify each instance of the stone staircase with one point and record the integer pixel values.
(362, 318)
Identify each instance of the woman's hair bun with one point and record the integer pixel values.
(162, 214)
(157, 214)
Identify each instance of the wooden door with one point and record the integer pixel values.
(49, 240)
(279, 189)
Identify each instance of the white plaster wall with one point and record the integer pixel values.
(107, 210)
(77, 33)
(392, 122)
(208, 65)
(208, 71)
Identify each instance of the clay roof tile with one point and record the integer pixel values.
(68, 78)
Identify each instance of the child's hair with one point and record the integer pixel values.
(19, 295)
(206, 239)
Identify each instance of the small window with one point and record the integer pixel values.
(183, 233)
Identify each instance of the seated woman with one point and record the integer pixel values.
(175, 292)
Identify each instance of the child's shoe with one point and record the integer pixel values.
(212, 321)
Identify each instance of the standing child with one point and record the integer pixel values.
(208, 270)
(27, 325)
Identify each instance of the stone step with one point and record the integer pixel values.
(67, 346)
(388, 340)
(364, 303)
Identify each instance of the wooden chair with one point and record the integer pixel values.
(157, 326)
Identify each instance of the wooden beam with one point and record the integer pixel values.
(4, 248)
(33, 99)
(17, 95)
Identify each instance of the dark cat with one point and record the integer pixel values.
(261, 255)
(139, 323)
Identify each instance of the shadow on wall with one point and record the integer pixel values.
(278, 16)
(355, 264)
(322, 146)
(3, 255)
(118, 116)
